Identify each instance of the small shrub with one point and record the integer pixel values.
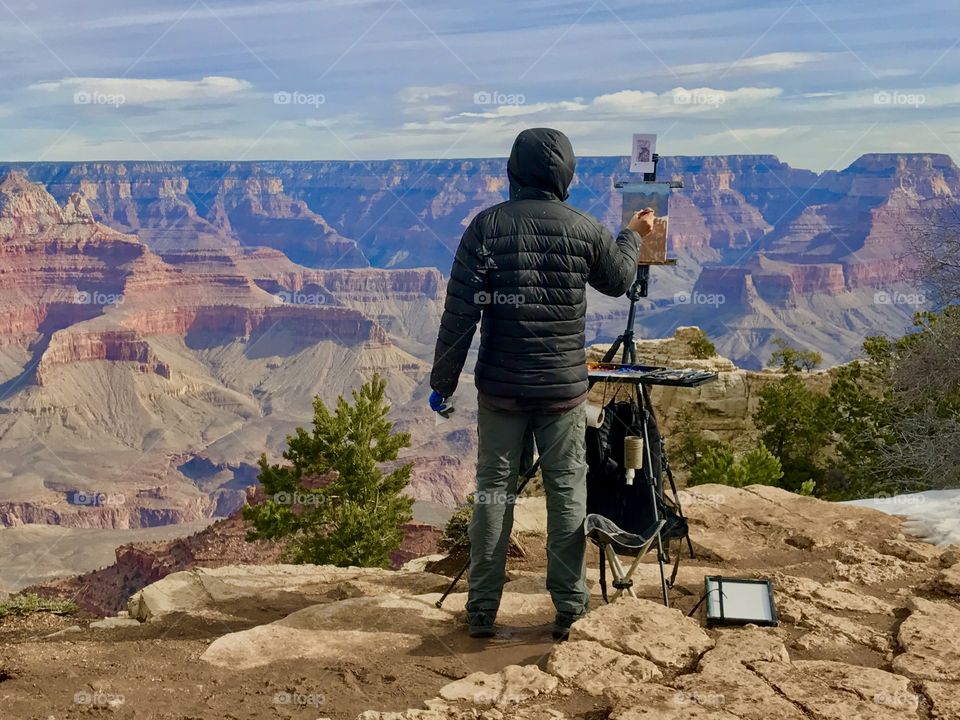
(701, 346)
(686, 442)
(795, 424)
(31, 603)
(455, 532)
(718, 464)
(715, 465)
(759, 467)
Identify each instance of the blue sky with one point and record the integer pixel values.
(816, 83)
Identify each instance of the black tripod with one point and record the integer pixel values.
(627, 341)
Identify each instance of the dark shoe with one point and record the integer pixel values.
(482, 623)
(561, 625)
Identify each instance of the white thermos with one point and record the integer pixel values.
(632, 456)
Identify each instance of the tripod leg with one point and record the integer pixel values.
(453, 584)
(676, 564)
(663, 578)
(611, 354)
(676, 497)
(651, 479)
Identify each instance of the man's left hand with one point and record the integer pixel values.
(441, 405)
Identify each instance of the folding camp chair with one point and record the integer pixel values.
(612, 541)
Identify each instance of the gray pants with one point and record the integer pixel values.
(561, 440)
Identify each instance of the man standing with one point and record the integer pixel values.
(521, 270)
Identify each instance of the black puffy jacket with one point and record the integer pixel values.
(522, 268)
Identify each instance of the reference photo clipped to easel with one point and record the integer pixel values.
(633, 506)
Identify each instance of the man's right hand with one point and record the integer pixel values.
(642, 222)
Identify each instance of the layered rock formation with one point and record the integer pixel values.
(183, 350)
(116, 361)
(410, 213)
(766, 250)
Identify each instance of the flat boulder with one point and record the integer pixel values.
(513, 685)
(270, 644)
(593, 667)
(439, 709)
(835, 595)
(112, 623)
(224, 592)
(725, 681)
(739, 524)
(520, 607)
(828, 690)
(944, 699)
(332, 631)
(664, 636)
(948, 580)
(657, 702)
(910, 550)
(863, 565)
(930, 638)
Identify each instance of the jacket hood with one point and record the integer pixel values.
(541, 160)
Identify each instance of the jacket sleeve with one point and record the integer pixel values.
(615, 262)
(461, 313)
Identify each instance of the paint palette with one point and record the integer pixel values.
(648, 374)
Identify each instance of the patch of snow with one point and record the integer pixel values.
(933, 515)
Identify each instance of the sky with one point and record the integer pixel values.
(816, 82)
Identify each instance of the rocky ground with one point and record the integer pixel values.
(870, 628)
(136, 565)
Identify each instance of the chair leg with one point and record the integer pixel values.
(621, 580)
(602, 547)
(629, 574)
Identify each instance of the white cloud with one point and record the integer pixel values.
(216, 13)
(940, 96)
(895, 72)
(520, 109)
(415, 94)
(769, 63)
(748, 135)
(429, 100)
(680, 101)
(147, 90)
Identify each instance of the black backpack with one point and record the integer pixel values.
(629, 506)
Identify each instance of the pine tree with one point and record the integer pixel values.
(796, 425)
(790, 359)
(332, 502)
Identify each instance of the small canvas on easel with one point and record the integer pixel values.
(656, 196)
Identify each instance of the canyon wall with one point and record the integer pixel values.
(776, 243)
(120, 366)
(170, 321)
